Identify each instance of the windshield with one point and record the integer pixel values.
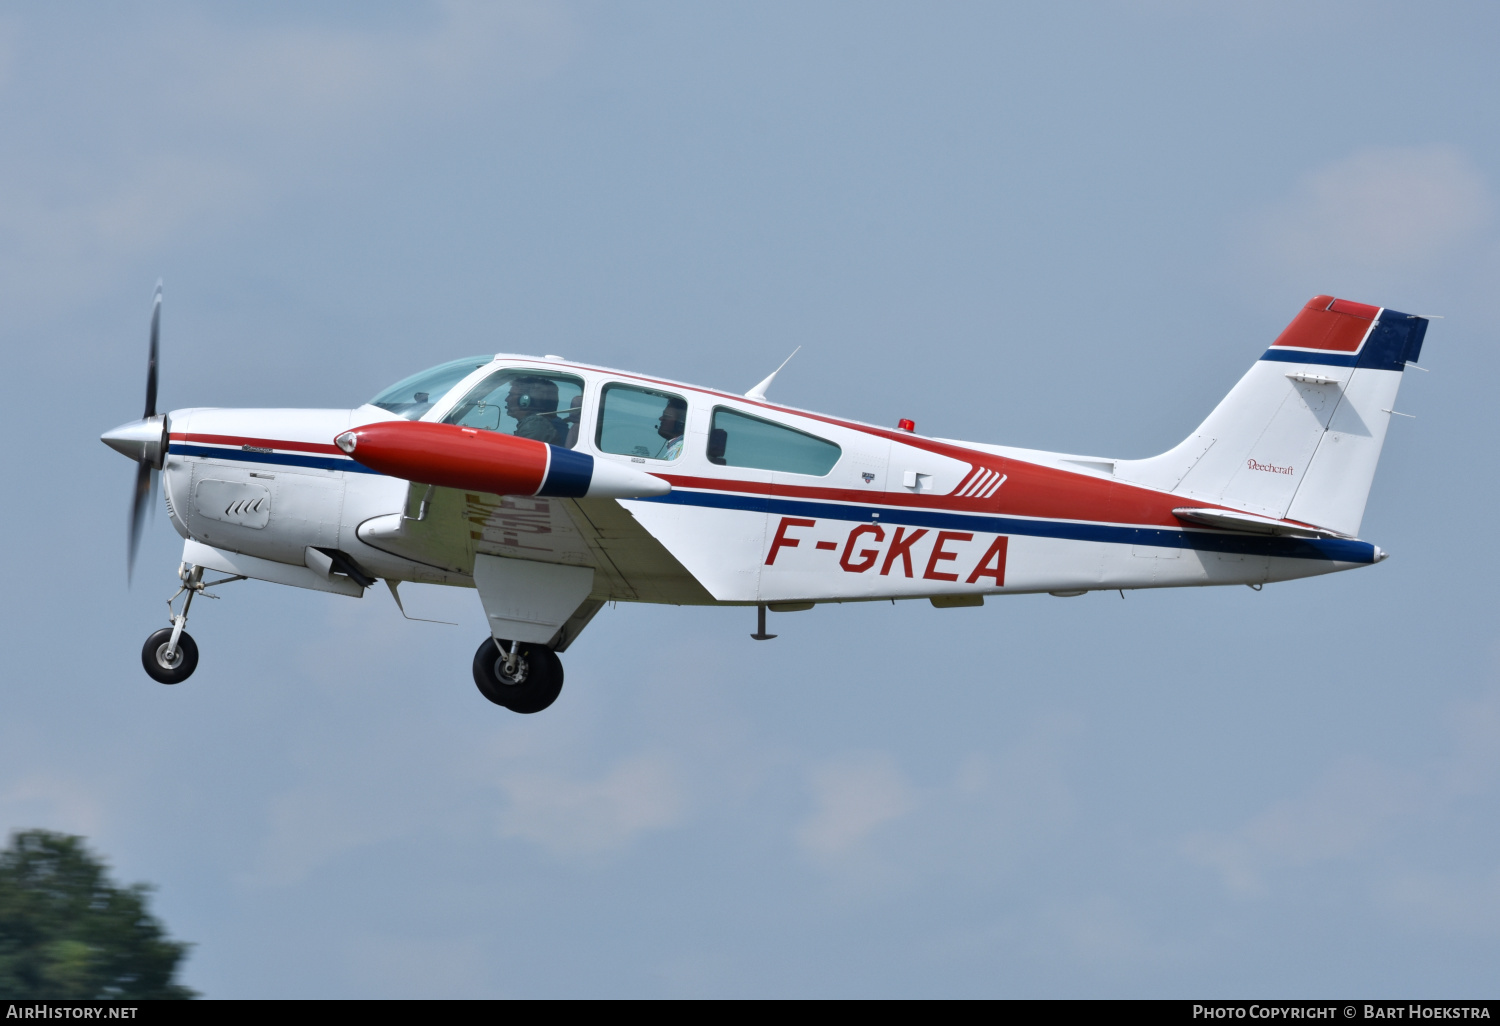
(528, 403)
(411, 397)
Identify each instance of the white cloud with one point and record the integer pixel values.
(141, 209)
(1356, 809)
(573, 816)
(851, 799)
(1337, 818)
(299, 77)
(1103, 934)
(876, 832)
(1025, 793)
(120, 165)
(311, 827)
(1373, 214)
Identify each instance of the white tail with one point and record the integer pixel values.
(1299, 436)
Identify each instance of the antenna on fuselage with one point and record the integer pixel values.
(759, 391)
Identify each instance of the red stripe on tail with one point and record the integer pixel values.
(1332, 325)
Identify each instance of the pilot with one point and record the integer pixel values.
(532, 404)
(673, 421)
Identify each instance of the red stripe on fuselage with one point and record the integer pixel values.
(1040, 493)
(279, 444)
(1032, 491)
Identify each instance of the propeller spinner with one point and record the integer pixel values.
(144, 440)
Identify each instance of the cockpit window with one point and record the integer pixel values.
(641, 422)
(411, 397)
(526, 403)
(738, 440)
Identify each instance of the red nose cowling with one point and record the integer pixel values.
(449, 456)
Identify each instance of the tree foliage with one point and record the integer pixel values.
(66, 931)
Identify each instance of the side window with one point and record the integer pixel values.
(738, 440)
(641, 422)
(545, 407)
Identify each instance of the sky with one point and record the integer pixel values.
(1062, 226)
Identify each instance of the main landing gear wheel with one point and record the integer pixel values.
(176, 669)
(530, 684)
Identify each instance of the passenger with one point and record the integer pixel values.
(673, 422)
(572, 420)
(532, 404)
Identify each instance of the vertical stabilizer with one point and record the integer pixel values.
(1299, 436)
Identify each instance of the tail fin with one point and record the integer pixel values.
(1299, 436)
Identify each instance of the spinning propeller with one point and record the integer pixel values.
(144, 441)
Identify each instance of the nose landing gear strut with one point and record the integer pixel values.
(170, 655)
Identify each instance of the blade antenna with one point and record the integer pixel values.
(759, 391)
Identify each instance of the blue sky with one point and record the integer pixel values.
(1063, 226)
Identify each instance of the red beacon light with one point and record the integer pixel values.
(906, 425)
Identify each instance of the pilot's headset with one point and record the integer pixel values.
(535, 395)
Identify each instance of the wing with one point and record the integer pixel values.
(630, 565)
(633, 560)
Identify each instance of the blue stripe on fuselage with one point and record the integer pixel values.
(280, 459)
(1334, 549)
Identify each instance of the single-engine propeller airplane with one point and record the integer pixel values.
(553, 487)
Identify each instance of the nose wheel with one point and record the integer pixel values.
(522, 677)
(170, 655)
(167, 662)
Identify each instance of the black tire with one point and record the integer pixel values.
(181, 669)
(536, 684)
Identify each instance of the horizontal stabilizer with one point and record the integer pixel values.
(1250, 522)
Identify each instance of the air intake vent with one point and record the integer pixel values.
(248, 505)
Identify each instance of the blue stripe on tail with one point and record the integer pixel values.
(1395, 341)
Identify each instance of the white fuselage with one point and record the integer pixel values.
(897, 515)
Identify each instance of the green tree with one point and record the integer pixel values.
(66, 931)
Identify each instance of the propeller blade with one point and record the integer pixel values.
(145, 475)
(151, 362)
(145, 488)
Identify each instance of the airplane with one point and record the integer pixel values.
(553, 487)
